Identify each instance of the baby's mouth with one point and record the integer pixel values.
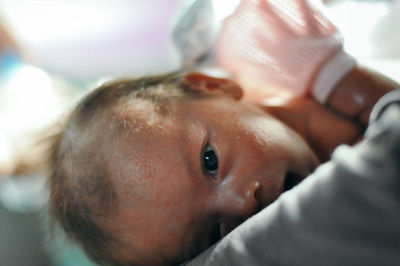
(292, 179)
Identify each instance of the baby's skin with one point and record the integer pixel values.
(178, 175)
(189, 178)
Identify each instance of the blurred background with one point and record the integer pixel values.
(53, 52)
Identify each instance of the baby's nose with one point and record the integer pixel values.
(237, 207)
(251, 189)
(240, 201)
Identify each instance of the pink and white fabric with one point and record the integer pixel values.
(285, 43)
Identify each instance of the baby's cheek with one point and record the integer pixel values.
(154, 229)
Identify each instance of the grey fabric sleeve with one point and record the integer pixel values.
(346, 213)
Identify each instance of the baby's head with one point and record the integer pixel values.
(152, 171)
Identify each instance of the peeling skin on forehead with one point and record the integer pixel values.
(136, 127)
(135, 115)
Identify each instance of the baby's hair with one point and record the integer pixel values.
(82, 195)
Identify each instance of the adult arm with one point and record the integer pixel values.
(346, 213)
(342, 118)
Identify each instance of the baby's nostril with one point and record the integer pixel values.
(291, 180)
(257, 194)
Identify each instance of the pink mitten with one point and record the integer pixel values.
(285, 43)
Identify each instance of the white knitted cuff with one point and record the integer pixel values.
(330, 74)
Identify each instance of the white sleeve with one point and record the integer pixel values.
(330, 74)
(346, 213)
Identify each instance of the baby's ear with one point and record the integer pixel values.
(201, 82)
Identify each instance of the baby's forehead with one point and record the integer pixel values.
(136, 117)
(143, 138)
(141, 125)
(138, 125)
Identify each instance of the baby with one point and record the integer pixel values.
(152, 171)
(155, 170)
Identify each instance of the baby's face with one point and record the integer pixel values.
(189, 178)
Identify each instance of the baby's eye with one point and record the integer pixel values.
(210, 161)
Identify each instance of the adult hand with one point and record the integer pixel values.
(322, 128)
(343, 119)
(355, 96)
